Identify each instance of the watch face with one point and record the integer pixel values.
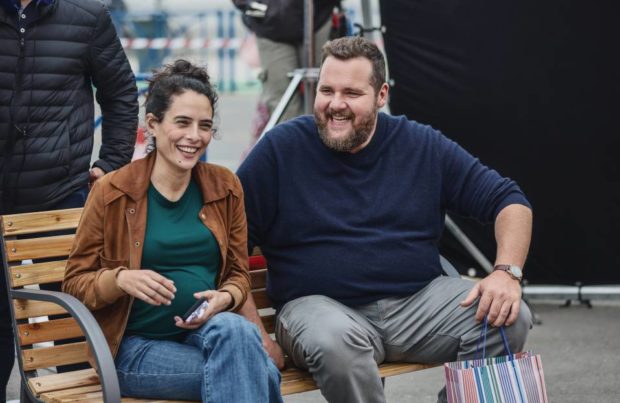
(516, 271)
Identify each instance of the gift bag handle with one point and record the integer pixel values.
(483, 336)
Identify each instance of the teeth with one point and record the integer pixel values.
(187, 149)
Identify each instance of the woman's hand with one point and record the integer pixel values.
(146, 285)
(218, 301)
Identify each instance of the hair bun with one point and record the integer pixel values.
(185, 68)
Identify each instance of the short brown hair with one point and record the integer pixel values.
(350, 47)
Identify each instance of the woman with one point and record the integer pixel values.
(157, 235)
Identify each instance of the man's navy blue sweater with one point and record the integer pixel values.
(364, 226)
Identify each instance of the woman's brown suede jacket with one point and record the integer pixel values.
(111, 232)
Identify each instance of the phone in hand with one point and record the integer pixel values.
(196, 310)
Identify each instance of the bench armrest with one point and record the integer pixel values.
(92, 331)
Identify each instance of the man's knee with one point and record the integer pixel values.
(321, 333)
(337, 341)
(340, 357)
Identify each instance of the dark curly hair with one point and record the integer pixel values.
(174, 79)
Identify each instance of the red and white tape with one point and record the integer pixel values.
(180, 43)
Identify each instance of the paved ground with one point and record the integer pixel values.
(579, 346)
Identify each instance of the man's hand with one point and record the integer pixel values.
(500, 299)
(275, 351)
(146, 285)
(95, 173)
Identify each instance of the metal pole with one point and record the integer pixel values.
(284, 101)
(468, 245)
(309, 85)
(568, 292)
(367, 17)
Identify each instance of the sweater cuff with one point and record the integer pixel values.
(104, 165)
(509, 201)
(236, 294)
(107, 288)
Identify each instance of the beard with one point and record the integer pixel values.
(358, 135)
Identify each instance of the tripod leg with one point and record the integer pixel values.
(284, 101)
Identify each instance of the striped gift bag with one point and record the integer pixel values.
(513, 378)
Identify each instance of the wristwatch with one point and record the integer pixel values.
(513, 271)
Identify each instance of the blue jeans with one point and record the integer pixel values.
(222, 361)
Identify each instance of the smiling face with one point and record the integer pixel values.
(346, 104)
(183, 134)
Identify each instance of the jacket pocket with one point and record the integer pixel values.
(107, 263)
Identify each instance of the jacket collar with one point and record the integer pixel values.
(7, 9)
(134, 179)
(11, 6)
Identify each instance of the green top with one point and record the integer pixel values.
(180, 247)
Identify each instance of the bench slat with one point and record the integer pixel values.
(269, 321)
(26, 308)
(133, 400)
(398, 368)
(77, 394)
(385, 370)
(38, 273)
(259, 278)
(73, 353)
(298, 386)
(291, 374)
(90, 394)
(296, 381)
(54, 382)
(32, 223)
(260, 298)
(39, 248)
(59, 329)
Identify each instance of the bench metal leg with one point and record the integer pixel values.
(383, 382)
(24, 396)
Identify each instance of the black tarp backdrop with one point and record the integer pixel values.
(533, 89)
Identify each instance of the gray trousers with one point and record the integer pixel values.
(277, 60)
(341, 346)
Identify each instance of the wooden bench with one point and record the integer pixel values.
(32, 307)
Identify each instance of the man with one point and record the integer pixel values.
(348, 209)
(51, 54)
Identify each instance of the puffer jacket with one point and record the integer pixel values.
(47, 74)
(111, 234)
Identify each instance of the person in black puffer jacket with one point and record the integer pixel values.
(52, 53)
